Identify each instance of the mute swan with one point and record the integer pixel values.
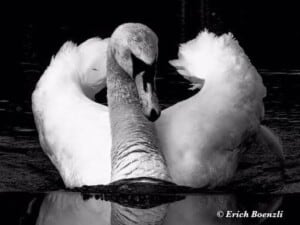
(74, 131)
(203, 136)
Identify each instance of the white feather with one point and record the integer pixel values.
(73, 130)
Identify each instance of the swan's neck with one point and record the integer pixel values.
(134, 145)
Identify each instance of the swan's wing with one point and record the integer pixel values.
(211, 57)
(221, 62)
(73, 130)
(75, 134)
(93, 63)
(219, 118)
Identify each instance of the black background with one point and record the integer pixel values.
(267, 30)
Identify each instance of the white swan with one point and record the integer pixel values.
(203, 136)
(74, 131)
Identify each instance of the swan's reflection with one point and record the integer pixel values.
(66, 208)
(122, 215)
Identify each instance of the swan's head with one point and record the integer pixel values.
(135, 48)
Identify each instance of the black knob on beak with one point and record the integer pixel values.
(154, 115)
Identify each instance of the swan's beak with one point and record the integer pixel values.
(145, 86)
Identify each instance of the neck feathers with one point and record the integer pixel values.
(134, 145)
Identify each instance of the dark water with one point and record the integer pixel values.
(70, 208)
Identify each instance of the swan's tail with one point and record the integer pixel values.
(267, 136)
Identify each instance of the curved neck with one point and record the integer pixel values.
(134, 145)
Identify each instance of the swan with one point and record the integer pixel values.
(203, 136)
(75, 132)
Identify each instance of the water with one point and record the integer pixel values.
(69, 208)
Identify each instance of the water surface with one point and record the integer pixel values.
(70, 208)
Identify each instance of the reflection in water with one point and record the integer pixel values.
(121, 215)
(63, 208)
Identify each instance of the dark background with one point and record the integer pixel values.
(268, 31)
